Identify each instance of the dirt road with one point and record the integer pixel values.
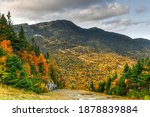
(84, 95)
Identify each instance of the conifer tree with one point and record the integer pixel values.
(101, 87)
(53, 75)
(22, 39)
(35, 48)
(108, 85)
(6, 28)
(9, 18)
(126, 68)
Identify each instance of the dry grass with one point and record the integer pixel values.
(9, 93)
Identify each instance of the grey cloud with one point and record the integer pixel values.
(99, 12)
(81, 10)
(121, 23)
(51, 5)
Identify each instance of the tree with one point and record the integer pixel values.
(21, 42)
(14, 67)
(53, 74)
(37, 50)
(34, 47)
(101, 87)
(2, 52)
(3, 20)
(9, 18)
(121, 89)
(21, 34)
(3, 73)
(126, 68)
(6, 46)
(108, 85)
(114, 77)
(47, 56)
(6, 29)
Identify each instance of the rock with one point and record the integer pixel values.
(51, 86)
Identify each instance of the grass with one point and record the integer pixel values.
(9, 93)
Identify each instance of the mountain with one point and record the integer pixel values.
(62, 34)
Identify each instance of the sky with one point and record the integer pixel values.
(129, 17)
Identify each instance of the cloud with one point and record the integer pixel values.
(50, 5)
(122, 22)
(99, 12)
(141, 9)
(80, 10)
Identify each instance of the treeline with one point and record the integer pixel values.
(134, 81)
(22, 64)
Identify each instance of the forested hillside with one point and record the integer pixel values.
(80, 70)
(63, 34)
(21, 64)
(133, 82)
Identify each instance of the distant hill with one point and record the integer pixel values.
(63, 34)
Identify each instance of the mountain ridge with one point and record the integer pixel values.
(96, 39)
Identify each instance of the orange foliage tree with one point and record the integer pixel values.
(6, 45)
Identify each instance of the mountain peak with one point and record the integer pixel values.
(63, 22)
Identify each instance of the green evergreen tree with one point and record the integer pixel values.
(101, 87)
(37, 50)
(9, 18)
(108, 85)
(53, 74)
(47, 56)
(7, 29)
(136, 70)
(121, 89)
(2, 52)
(3, 20)
(34, 47)
(126, 68)
(41, 67)
(14, 67)
(21, 42)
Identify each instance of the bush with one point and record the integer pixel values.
(25, 83)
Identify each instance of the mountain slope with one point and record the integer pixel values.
(63, 34)
(85, 55)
